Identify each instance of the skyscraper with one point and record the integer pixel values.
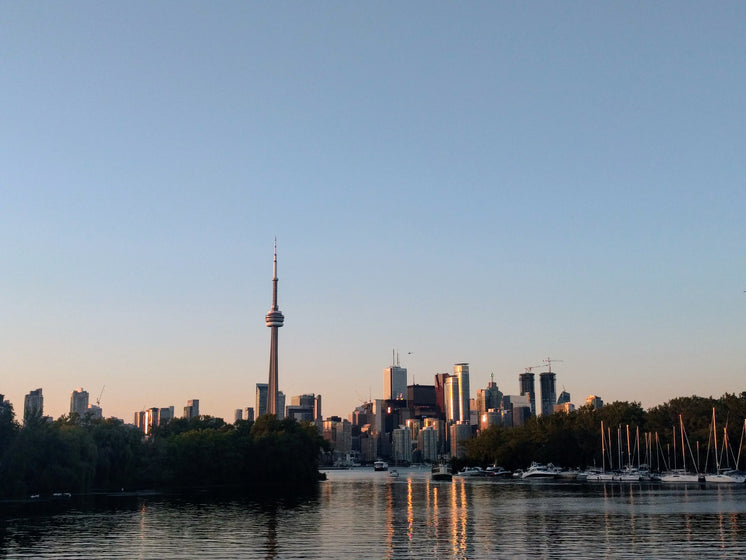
(79, 402)
(461, 371)
(528, 388)
(548, 392)
(451, 401)
(33, 405)
(274, 320)
(395, 383)
(191, 410)
(261, 399)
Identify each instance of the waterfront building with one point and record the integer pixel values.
(460, 433)
(395, 383)
(249, 413)
(368, 444)
(33, 405)
(338, 433)
(527, 387)
(439, 426)
(594, 401)
(191, 410)
(274, 320)
(261, 399)
(547, 381)
(427, 444)
(79, 402)
(238, 415)
(401, 445)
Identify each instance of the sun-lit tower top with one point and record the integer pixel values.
(274, 318)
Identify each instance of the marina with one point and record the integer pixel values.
(360, 513)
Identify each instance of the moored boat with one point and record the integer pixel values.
(498, 472)
(539, 471)
(380, 466)
(441, 472)
(471, 471)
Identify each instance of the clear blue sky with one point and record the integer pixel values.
(482, 182)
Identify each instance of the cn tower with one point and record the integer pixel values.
(274, 320)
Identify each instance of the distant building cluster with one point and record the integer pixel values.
(423, 423)
(410, 423)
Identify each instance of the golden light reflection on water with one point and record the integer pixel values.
(410, 510)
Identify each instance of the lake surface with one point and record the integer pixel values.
(364, 514)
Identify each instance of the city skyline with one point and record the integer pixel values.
(481, 183)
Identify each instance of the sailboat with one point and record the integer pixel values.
(682, 475)
(721, 476)
(603, 475)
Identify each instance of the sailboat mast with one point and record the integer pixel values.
(683, 451)
(603, 448)
(715, 441)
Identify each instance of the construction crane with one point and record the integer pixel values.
(98, 399)
(549, 361)
(529, 369)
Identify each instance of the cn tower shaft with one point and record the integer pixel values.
(274, 320)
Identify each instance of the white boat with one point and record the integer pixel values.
(471, 471)
(441, 472)
(393, 473)
(722, 476)
(380, 466)
(680, 475)
(539, 471)
(498, 472)
(599, 476)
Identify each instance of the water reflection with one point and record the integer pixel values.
(358, 514)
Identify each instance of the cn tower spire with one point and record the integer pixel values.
(274, 320)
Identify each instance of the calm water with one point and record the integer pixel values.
(362, 514)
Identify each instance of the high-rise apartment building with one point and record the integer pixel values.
(461, 372)
(401, 445)
(261, 399)
(427, 443)
(191, 410)
(79, 402)
(548, 392)
(594, 401)
(528, 387)
(451, 401)
(33, 405)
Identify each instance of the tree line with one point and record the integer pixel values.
(574, 439)
(81, 456)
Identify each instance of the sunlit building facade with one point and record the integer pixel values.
(79, 402)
